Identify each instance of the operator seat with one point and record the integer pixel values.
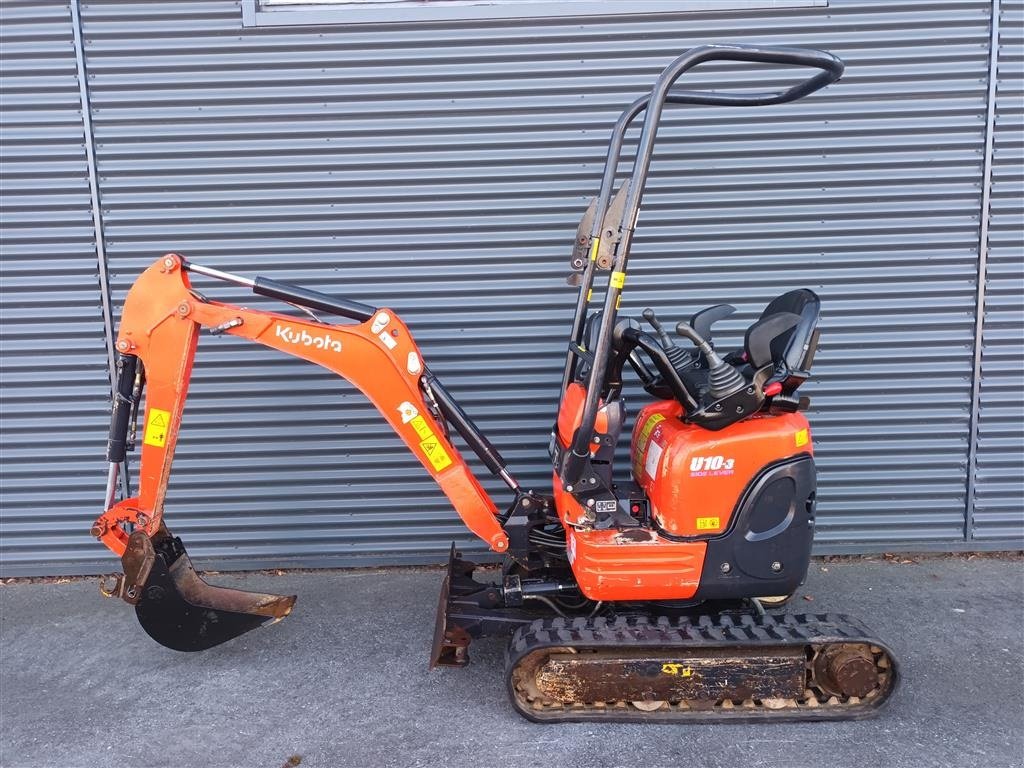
(785, 336)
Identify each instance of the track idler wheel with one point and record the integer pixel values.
(177, 608)
(846, 669)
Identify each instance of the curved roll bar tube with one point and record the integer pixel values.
(831, 69)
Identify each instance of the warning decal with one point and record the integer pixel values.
(434, 451)
(156, 427)
(430, 445)
(641, 443)
(408, 411)
(654, 452)
(645, 432)
(677, 668)
(801, 438)
(708, 523)
(422, 428)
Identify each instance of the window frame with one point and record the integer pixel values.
(283, 13)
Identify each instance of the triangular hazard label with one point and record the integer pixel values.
(158, 420)
(428, 446)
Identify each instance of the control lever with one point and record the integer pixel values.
(723, 379)
(703, 320)
(678, 356)
(663, 337)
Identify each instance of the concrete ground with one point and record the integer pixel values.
(344, 682)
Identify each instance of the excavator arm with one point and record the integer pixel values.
(159, 330)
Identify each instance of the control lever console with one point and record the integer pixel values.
(679, 357)
(723, 379)
(729, 396)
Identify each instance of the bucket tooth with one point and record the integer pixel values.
(182, 612)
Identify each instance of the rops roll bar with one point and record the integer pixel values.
(831, 69)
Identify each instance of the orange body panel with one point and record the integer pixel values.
(570, 414)
(620, 565)
(160, 324)
(694, 478)
(637, 564)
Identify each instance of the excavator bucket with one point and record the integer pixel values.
(181, 611)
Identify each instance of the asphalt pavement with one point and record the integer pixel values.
(344, 682)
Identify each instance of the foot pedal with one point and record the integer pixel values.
(182, 612)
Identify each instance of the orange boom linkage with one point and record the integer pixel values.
(627, 596)
(160, 327)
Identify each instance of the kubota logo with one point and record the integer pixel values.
(719, 464)
(305, 339)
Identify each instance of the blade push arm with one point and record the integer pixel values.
(160, 326)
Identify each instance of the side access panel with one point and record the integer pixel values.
(767, 550)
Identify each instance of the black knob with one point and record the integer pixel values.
(650, 317)
(687, 332)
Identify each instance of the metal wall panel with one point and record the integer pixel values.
(441, 169)
(55, 388)
(999, 495)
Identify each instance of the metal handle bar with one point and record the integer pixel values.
(831, 69)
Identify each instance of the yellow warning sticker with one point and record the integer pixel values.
(676, 668)
(422, 428)
(802, 438)
(650, 424)
(156, 427)
(436, 453)
(645, 435)
(618, 279)
(590, 294)
(430, 445)
(594, 248)
(708, 523)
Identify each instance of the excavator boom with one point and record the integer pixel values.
(159, 330)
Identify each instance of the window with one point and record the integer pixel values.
(271, 13)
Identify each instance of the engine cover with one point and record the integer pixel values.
(694, 478)
(732, 513)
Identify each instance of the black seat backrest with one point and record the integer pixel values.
(786, 335)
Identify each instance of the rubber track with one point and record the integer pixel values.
(741, 632)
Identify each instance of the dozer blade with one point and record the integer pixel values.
(182, 612)
(451, 642)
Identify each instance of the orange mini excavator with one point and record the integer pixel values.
(639, 598)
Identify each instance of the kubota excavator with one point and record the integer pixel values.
(640, 599)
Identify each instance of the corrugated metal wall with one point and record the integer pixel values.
(1000, 463)
(441, 170)
(54, 385)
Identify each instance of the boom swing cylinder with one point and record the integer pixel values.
(601, 579)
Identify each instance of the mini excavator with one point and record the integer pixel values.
(652, 598)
